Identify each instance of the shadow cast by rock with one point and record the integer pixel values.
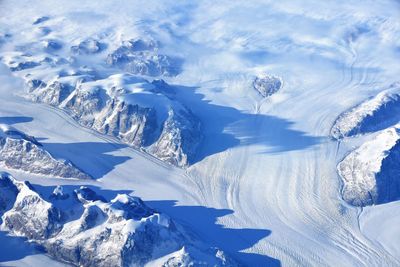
(15, 120)
(226, 127)
(94, 158)
(388, 179)
(17, 248)
(202, 224)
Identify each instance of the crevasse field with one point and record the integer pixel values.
(304, 176)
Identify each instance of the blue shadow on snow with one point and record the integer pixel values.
(202, 223)
(91, 157)
(226, 127)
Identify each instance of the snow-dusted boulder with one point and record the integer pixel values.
(141, 57)
(267, 85)
(377, 113)
(22, 152)
(87, 230)
(371, 173)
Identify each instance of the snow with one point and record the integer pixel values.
(382, 230)
(264, 187)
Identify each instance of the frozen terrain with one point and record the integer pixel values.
(21, 152)
(231, 118)
(79, 226)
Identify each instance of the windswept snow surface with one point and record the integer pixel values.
(264, 186)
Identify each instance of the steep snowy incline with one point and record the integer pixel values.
(264, 186)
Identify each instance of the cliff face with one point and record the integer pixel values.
(141, 114)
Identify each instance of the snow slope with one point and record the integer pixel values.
(264, 186)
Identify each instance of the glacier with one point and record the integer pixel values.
(256, 133)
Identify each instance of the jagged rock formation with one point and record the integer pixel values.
(179, 138)
(27, 213)
(21, 152)
(82, 228)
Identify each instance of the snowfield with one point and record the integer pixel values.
(219, 115)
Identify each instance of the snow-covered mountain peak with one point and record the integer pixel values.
(123, 232)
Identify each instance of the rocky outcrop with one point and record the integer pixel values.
(87, 47)
(267, 85)
(374, 114)
(30, 215)
(179, 139)
(54, 93)
(131, 123)
(141, 114)
(80, 227)
(23, 153)
(370, 173)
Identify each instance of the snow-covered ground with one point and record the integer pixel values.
(264, 186)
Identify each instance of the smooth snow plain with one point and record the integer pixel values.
(265, 187)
